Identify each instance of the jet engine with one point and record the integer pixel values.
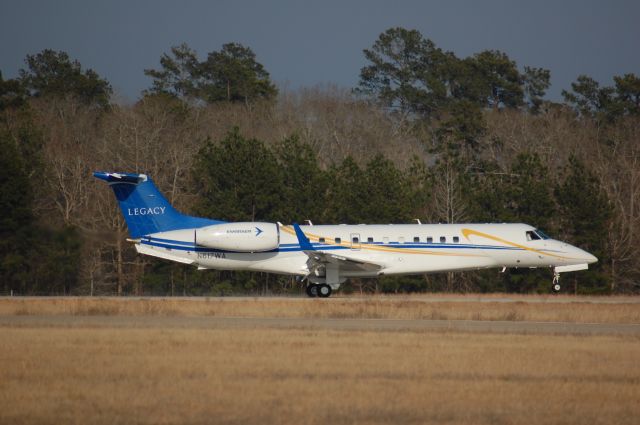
(241, 237)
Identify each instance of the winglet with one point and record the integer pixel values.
(302, 239)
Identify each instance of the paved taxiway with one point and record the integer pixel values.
(430, 298)
(389, 325)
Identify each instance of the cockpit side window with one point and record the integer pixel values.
(532, 236)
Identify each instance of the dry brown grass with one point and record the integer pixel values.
(105, 375)
(547, 309)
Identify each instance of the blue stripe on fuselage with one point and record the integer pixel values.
(293, 247)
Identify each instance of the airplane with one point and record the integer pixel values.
(325, 256)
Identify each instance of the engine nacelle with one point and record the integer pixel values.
(242, 237)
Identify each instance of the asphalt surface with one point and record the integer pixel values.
(431, 298)
(388, 325)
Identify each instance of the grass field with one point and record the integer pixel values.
(450, 307)
(128, 374)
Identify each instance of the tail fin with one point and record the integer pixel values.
(144, 208)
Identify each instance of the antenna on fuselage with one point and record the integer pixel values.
(418, 220)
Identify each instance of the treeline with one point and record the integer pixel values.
(424, 135)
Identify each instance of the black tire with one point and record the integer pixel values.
(312, 290)
(324, 291)
(556, 287)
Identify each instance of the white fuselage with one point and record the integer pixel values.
(397, 249)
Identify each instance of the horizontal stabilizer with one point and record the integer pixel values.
(157, 252)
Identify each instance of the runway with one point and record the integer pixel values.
(430, 298)
(385, 325)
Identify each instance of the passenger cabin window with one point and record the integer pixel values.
(429, 239)
(532, 236)
(338, 240)
(416, 239)
(443, 239)
(321, 240)
(369, 240)
(456, 239)
(355, 240)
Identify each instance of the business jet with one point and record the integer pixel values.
(324, 256)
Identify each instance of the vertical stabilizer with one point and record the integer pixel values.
(144, 208)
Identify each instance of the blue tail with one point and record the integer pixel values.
(144, 208)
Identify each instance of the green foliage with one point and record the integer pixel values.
(588, 98)
(54, 260)
(304, 184)
(584, 207)
(536, 83)
(406, 72)
(16, 220)
(12, 93)
(530, 197)
(605, 104)
(233, 74)
(523, 194)
(628, 93)
(379, 193)
(179, 74)
(33, 258)
(386, 193)
(243, 179)
(463, 126)
(409, 73)
(238, 179)
(585, 215)
(51, 73)
(501, 85)
(347, 196)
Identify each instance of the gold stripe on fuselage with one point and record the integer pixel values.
(315, 238)
(467, 232)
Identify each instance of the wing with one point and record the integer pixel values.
(319, 259)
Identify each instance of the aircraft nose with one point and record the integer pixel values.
(589, 258)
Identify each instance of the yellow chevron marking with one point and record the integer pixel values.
(467, 232)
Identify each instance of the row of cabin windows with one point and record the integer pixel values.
(416, 239)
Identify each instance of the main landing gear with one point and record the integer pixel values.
(321, 290)
(556, 282)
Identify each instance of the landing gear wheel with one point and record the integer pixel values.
(312, 290)
(556, 282)
(324, 290)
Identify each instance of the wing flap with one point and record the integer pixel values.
(321, 258)
(344, 263)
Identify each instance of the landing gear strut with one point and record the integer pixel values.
(556, 282)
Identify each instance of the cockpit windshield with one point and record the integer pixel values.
(542, 234)
(534, 235)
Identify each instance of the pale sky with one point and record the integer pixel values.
(305, 43)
